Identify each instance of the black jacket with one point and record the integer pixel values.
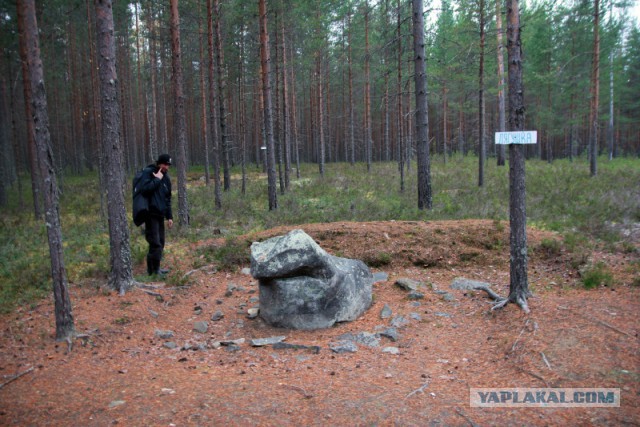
(157, 191)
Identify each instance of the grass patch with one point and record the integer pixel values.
(561, 196)
(597, 275)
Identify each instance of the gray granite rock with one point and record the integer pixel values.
(399, 321)
(217, 316)
(303, 287)
(391, 350)
(201, 327)
(386, 312)
(408, 284)
(343, 347)
(391, 333)
(260, 342)
(415, 295)
(165, 335)
(286, 346)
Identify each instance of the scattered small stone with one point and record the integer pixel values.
(415, 316)
(399, 321)
(441, 314)
(197, 309)
(408, 284)
(386, 312)
(246, 271)
(252, 313)
(448, 297)
(215, 345)
(462, 283)
(415, 295)
(116, 403)
(219, 301)
(260, 342)
(230, 288)
(391, 333)
(239, 341)
(217, 316)
(168, 391)
(232, 348)
(364, 338)
(165, 335)
(286, 346)
(380, 277)
(170, 345)
(391, 350)
(416, 304)
(388, 375)
(201, 327)
(153, 314)
(254, 300)
(343, 347)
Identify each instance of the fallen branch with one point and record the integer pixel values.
(606, 325)
(155, 294)
(533, 375)
(544, 359)
(189, 273)
(513, 347)
(418, 390)
(15, 377)
(300, 389)
(462, 414)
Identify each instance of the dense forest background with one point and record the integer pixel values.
(342, 75)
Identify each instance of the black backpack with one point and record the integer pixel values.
(140, 201)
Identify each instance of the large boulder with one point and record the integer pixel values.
(303, 287)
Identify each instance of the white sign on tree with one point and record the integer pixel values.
(521, 137)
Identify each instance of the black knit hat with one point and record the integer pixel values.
(164, 159)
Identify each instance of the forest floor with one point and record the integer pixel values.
(122, 373)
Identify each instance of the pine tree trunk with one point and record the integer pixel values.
(422, 117)
(65, 329)
(286, 143)
(481, 138)
(595, 93)
(203, 99)
(153, 106)
(28, 107)
(352, 140)
(179, 124)
(222, 84)
(121, 277)
(502, 125)
(399, 95)
(367, 89)
(265, 61)
(213, 110)
(518, 286)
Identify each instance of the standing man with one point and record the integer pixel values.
(156, 187)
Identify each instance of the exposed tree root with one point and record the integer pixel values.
(15, 377)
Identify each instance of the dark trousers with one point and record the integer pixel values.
(154, 233)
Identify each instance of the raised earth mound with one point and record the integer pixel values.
(198, 355)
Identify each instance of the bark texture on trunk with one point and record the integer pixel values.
(180, 120)
(265, 61)
(422, 116)
(121, 277)
(65, 329)
(518, 285)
